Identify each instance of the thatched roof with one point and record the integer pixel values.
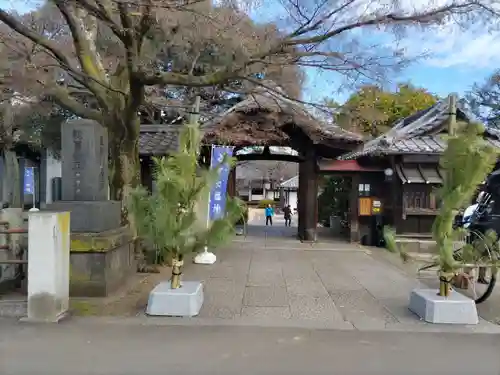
(267, 117)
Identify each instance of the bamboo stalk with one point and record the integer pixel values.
(175, 282)
(445, 279)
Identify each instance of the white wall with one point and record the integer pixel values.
(270, 194)
(53, 168)
(291, 199)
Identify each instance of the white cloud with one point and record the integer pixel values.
(471, 45)
(455, 48)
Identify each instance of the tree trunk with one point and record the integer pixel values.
(11, 180)
(124, 165)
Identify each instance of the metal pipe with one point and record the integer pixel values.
(14, 261)
(14, 231)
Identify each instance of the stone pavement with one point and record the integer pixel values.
(270, 278)
(93, 348)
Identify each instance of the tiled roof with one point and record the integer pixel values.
(158, 139)
(419, 134)
(292, 183)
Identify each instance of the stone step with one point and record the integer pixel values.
(417, 245)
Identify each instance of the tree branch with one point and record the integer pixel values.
(102, 12)
(129, 40)
(144, 24)
(87, 56)
(62, 96)
(36, 38)
(420, 18)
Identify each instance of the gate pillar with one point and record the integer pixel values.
(308, 197)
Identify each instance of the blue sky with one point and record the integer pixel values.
(438, 80)
(457, 58)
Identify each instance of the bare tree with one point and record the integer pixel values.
(484, 100)
(10, 107)
(95, 58)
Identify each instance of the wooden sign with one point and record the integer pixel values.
(365, 206)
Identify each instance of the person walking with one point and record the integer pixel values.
(269, 215)
(287, 212)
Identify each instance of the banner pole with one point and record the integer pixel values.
(206, 257)
(33, 190)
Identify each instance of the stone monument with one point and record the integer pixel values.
(102, 251)
(84, 158)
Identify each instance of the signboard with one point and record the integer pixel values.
(217, 200)
(376, 207)
(29, 181)
(364, 206)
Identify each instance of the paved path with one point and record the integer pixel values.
(98, 349)
(269, 278)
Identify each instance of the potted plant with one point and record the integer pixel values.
(467, 161)
(169, 217)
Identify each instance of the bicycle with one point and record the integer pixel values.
(467, 279)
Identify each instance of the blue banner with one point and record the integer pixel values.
(217, 203)
(29, 181)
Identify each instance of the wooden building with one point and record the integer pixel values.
(396, 174)
(266, 118)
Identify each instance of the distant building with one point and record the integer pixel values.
(288, 192)
(258, 180)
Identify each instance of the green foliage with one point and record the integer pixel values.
(467, 160)
(392, 245)
(372, 111)
(169, 217)
(484, 100)
(334, 200)
(265, 202)
(244, 217)
(481, 250)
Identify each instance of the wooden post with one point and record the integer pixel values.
(396, 198)
(231, 183)
(353, 209)
(146, 173)
(194, 115)
(308, 197)
(452, 120)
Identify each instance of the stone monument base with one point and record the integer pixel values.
(185, 301)
(101, 262)
(455, 309)
(90, 216)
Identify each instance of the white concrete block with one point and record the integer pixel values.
(184, 301)
(455, 309)
(48, 265)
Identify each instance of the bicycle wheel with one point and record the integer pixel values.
(480, 281)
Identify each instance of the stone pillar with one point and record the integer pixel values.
(84, 158)
(308, 197)
(48, 266)
(102, 250)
